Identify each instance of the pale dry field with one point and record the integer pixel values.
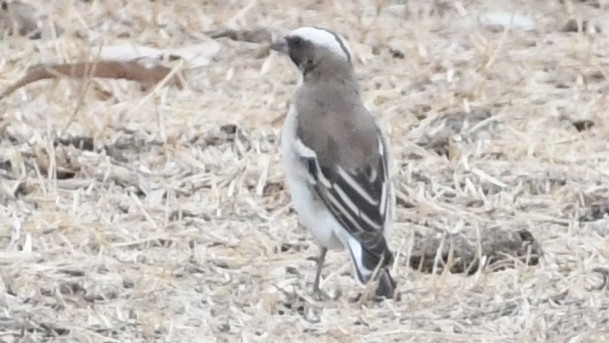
(175, 226)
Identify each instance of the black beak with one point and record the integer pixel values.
(280, 44)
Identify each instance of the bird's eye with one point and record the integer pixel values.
(296, 41)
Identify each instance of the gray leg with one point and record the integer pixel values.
(320, 264)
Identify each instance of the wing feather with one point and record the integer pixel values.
(357, 199)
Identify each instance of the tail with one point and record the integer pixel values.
(386, 284)
(366, 263)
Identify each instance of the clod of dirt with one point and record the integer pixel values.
(5, 165)
(65, 166)
(128, 144)
(295, 304)
(596, 211)
(290, 247)
(228, 133)
(604, 272)
(573, 25)
(79, 142)
(459, 252)
(466, 123)
(582, 125)
(396, 53)
(468, 126)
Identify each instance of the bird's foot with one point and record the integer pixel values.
(320, 295)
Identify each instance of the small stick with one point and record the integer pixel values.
(130, 70)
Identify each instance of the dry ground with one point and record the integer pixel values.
(174, 224)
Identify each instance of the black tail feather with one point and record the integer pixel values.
(386, 284)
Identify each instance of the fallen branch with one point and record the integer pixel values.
(133, 70)
(260, 35)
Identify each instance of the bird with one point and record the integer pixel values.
(336, 158)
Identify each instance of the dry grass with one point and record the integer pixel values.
(170, 225)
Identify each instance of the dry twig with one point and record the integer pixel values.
(132, 70)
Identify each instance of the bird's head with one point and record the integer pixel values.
(310, 47)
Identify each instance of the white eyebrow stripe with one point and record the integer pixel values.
(341, 41)
(328, 39)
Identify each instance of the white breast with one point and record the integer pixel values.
(311, 211)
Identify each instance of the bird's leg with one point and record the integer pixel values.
(320, 264)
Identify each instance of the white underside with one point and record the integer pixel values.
(312, 212)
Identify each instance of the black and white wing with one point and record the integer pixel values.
(360, 199)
